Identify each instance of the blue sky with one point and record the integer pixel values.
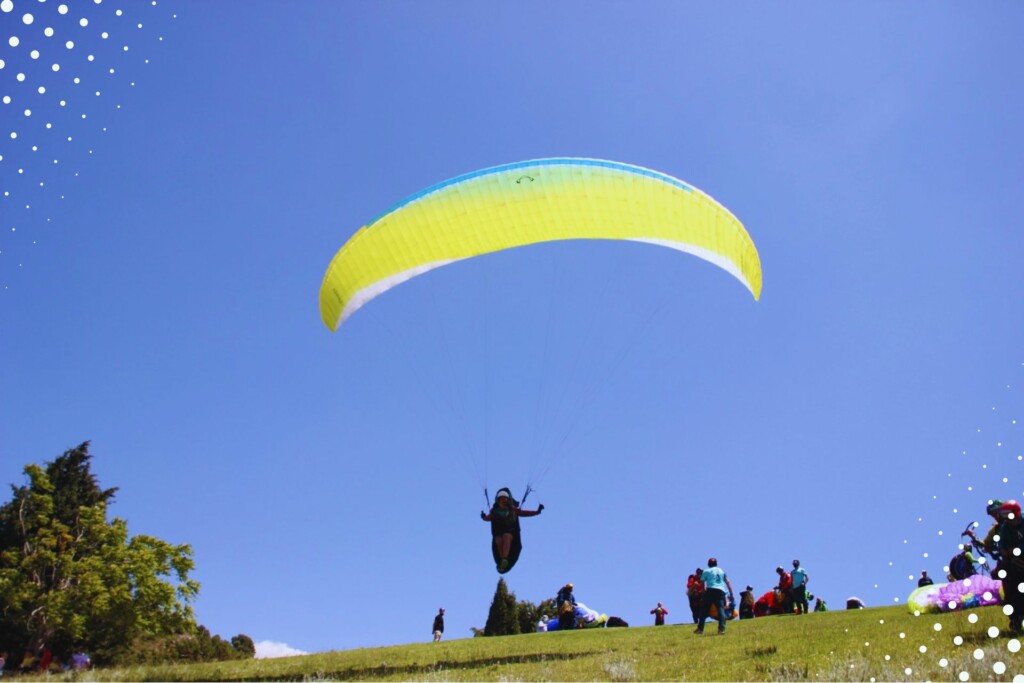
(159, 297)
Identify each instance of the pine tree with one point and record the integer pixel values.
(502, 620)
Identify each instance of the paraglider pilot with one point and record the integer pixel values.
(504, 518)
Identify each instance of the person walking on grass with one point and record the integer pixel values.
(439, 625)
(715, 585)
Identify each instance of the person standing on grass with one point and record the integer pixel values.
(1011, 546)
(659, 613)
(798, 592)
(715, 585)
(439, 625)
(784, 588)
(747, 603)
(694, 592)
(925, 580)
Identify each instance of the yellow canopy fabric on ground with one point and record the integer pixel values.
(530, 202)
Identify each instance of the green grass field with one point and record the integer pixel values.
(883, 644)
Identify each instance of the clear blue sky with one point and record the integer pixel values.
(159, 297)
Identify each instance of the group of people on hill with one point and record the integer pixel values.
(44, 661)
(788, 596)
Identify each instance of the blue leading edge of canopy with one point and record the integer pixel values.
(533, 163)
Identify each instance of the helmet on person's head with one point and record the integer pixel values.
(993, 507)
(1010, 507)
(502, 493)
(779, 570)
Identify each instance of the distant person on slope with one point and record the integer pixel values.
(659, 613)
(784, 586)
(747, 601)
(798, 591)
(695, 592)
(504, 518)
(925, 580)
(820, 605)
(439, 625)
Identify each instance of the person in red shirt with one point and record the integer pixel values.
(694, 591)
(659, 613)
(785, 589)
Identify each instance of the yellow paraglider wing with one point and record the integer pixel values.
(526, 203)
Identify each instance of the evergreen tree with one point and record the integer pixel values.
(69, 578)
(502, 619)
(244, 646)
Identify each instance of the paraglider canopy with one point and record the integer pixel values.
(530, 202)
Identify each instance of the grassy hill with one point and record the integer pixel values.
(884, 644)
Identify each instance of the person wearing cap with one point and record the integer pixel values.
(504, 518)
(439, 625)
(747, 603)
(798, 591)
(565, 595)
(715, 585)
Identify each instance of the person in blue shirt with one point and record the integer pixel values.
(798, 592)
(715, 585)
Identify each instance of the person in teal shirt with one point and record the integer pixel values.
(798, 592)
(715, 585)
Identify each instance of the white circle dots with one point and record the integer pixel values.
(7, 99)
(973, 618)
(979, 654)
(20, 78)
(908, 671)
(55, 67)
(1013, 645)
(83, 22)
(943, 662)
(14, 135)
(951, 604)
(104, 35)
(28, 112)
(922, 649)
(34, 54)
(999, 668)
(27, 19)
(76, 80)
(938, 626)
(62, 9)
(958, 640)
(14, 41)
(48, 32)
(964, 676)
(903, 635)
(1007, 610)
(993, 631)
(70, 44)
(118, 12)
(7, 6)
